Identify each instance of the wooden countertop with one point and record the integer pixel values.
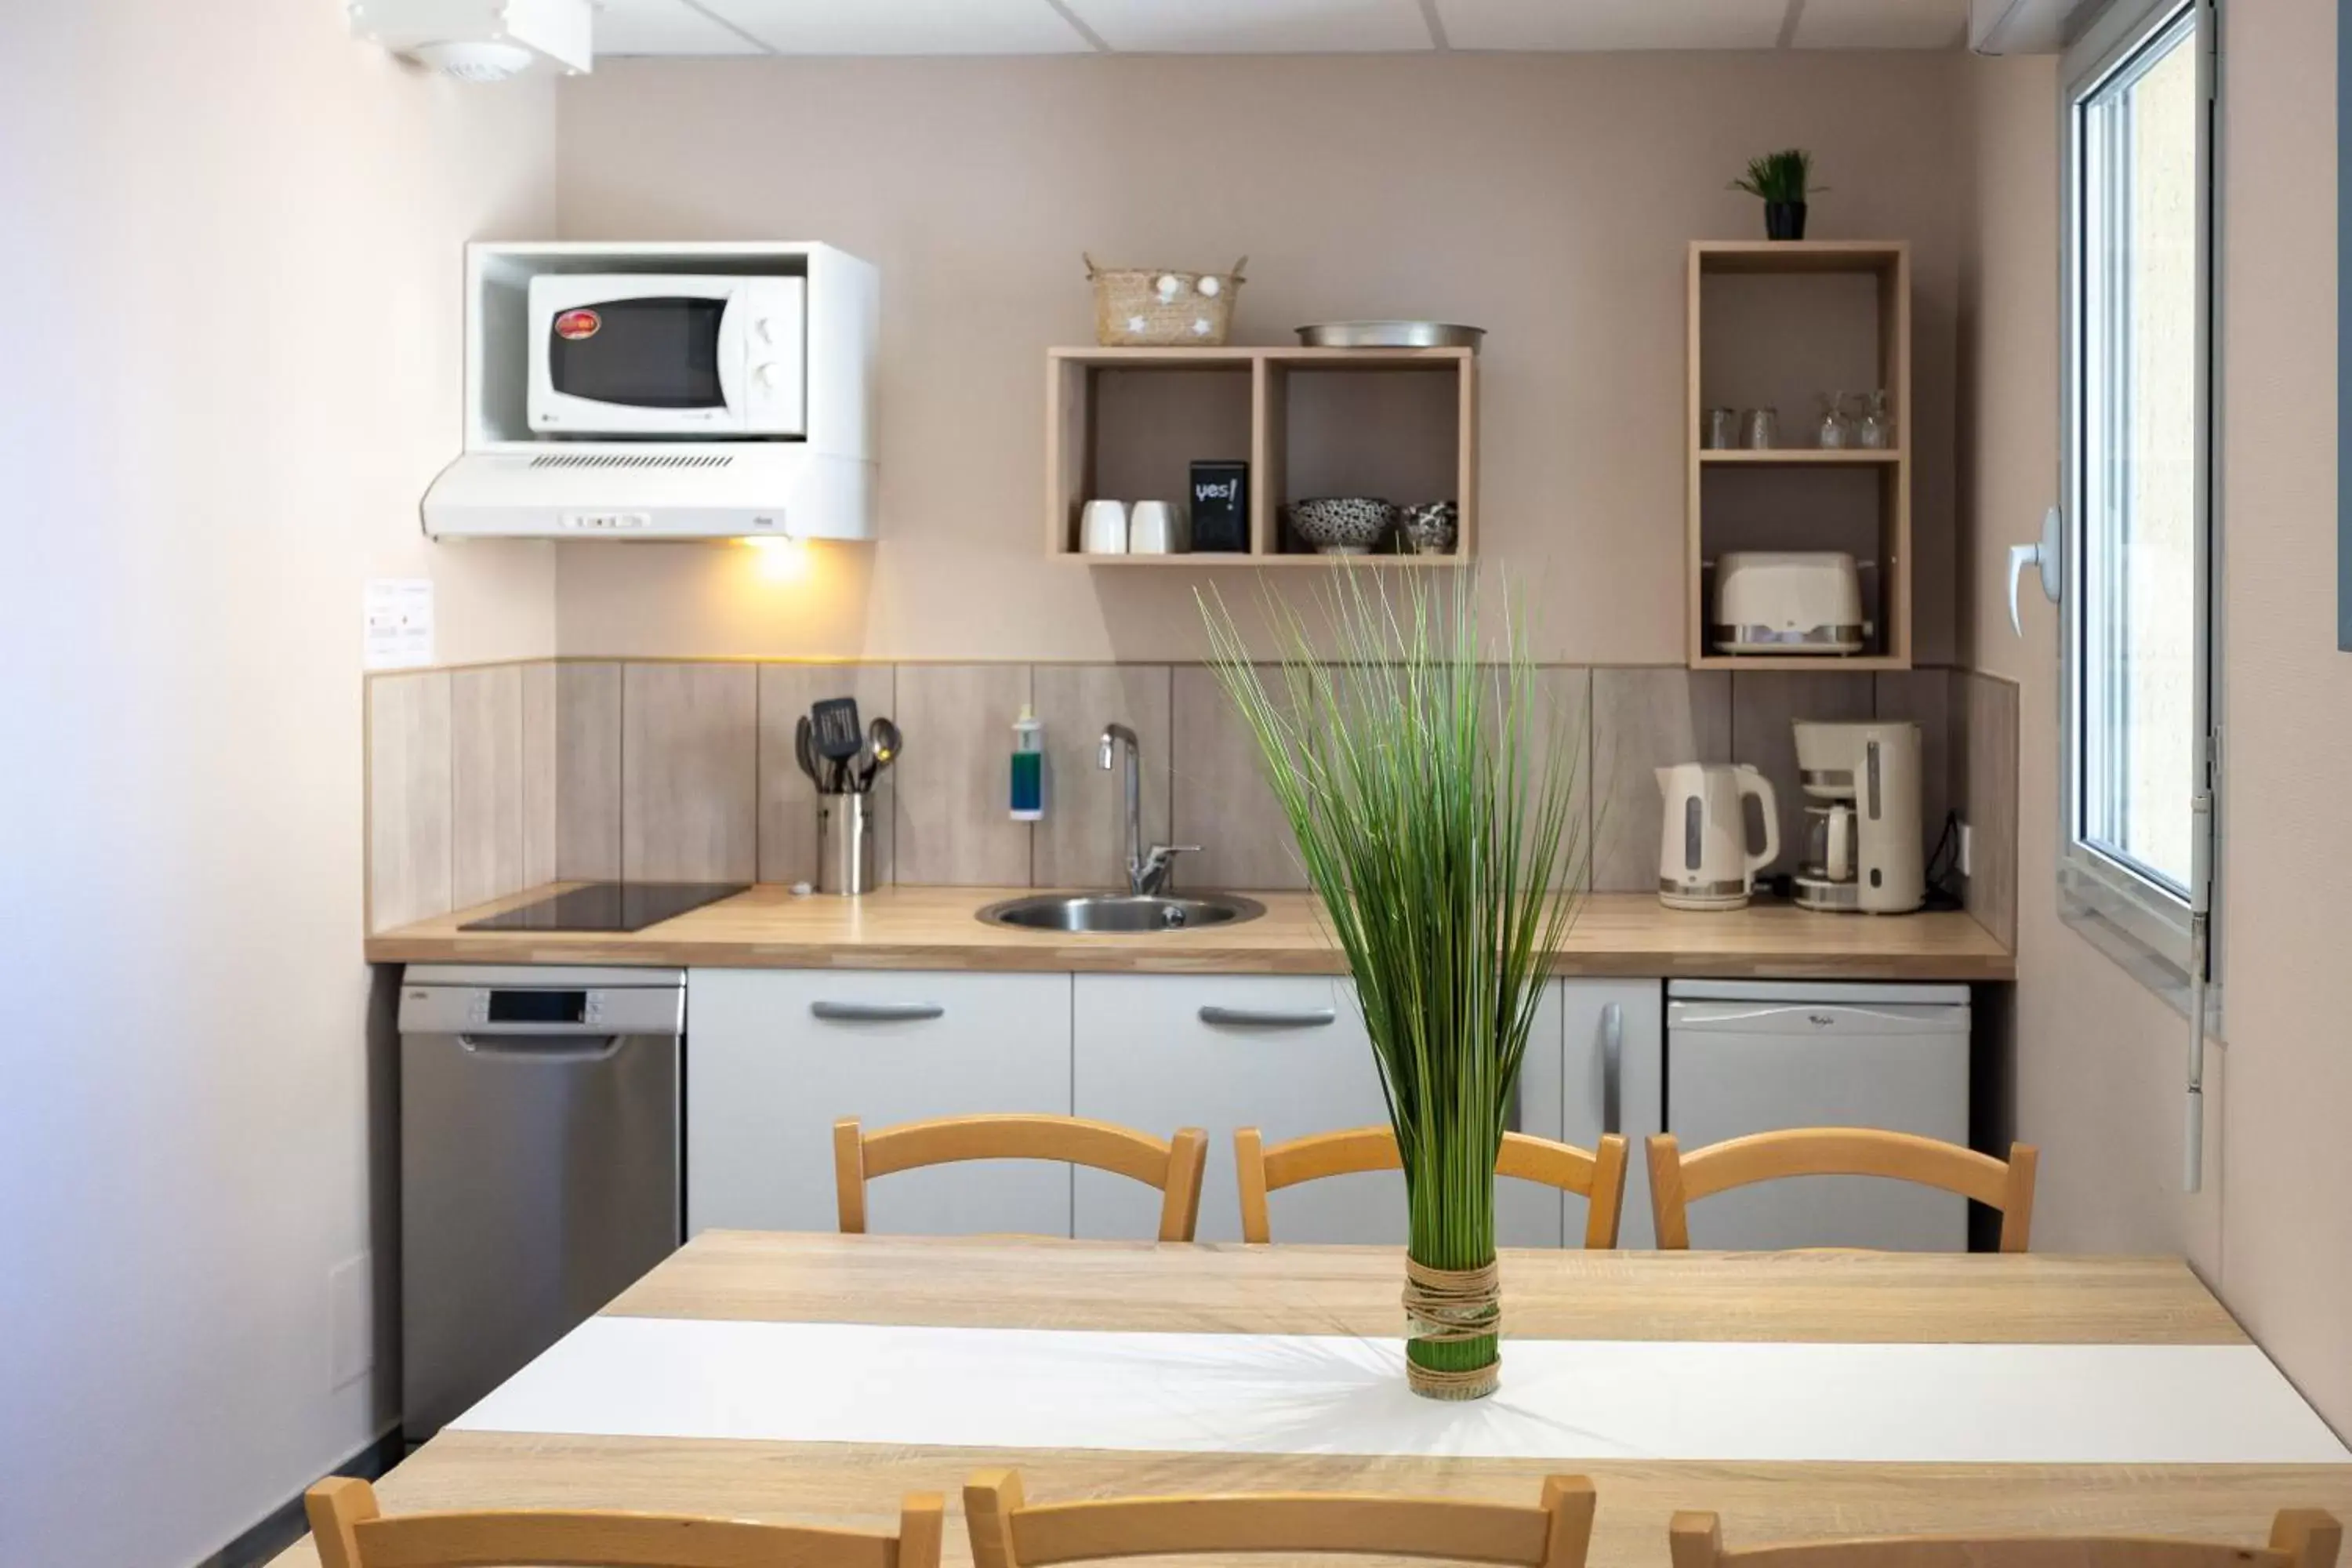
(1616, 934)
(1833, 1297)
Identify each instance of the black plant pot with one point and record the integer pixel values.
(1784, 220)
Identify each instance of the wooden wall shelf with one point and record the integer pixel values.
(1128, 424)
(1798, 456)
(1773, 324)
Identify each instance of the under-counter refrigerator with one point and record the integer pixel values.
(1754, 1056)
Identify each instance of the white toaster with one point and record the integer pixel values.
(1794, 601)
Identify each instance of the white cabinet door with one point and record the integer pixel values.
(1528, 1213)
(1287, 1054)
(775, 1055)
(1614, 1034)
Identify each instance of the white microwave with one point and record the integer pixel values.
(658, 354)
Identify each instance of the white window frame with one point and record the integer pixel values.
(2149, 926)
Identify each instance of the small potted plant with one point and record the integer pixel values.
(1780, 181)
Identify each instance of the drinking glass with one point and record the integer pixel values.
(1875, 431)
(1721, 429)
(1832, 431)
(1760, 429)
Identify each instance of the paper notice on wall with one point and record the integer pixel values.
(399, 623)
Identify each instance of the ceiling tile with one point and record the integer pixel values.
(904, 27)
(1882, 25)
(1612, 23)
(663, 27)
(1256, 26)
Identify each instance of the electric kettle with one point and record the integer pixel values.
(1703, 858)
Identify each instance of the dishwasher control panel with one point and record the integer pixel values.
(509, 999)
(514, 1006)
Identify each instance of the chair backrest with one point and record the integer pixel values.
(1678, 1179)
(1598, 1177)
(350, 1533)
(1174, 1167)
(2300, 1538)
(1007, 1531)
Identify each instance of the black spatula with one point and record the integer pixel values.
(839, 736)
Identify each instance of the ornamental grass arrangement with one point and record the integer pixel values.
(1433, 795)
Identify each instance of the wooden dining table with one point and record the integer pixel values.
(673, 1398)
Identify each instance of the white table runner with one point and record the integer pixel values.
(1295, 1393)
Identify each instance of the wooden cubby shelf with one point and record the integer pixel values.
(1128, 425)
(1798, 456)
(1775, 324)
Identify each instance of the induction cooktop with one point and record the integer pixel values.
(609, 906)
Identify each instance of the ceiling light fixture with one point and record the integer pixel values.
(482, 40)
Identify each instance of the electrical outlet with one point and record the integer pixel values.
(351, 1316)
(1968, 850)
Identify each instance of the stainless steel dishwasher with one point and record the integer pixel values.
(541, 1166)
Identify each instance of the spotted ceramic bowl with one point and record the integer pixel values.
(1341, 525)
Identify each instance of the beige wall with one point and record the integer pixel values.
(2286, 1221)
(233, 247)
(2099, 1059)
(1548, 198)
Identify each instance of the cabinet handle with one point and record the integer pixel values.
(1612, 1068)
(1259, 1018)
(876, 1012)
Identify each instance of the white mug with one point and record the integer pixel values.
(1154, 530)
(1102, 528)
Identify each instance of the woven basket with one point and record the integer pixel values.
(1146, 307)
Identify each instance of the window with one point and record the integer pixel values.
(2138, 331)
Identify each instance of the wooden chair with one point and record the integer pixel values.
(1676, 1178)
(2300, 1538)
(1174, 1167)
(350, 1534)
(1598, 1177)
(1007, 1531)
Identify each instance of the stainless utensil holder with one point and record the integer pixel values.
(844, 844)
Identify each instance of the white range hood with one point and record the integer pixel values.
(654, 491)
(512, 481)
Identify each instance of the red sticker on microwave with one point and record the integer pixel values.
(573, 325)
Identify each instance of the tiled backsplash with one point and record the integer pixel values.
(484, 781)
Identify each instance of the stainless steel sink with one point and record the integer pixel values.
(1123, 914)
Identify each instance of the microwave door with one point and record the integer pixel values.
(636, 363)
(653, 352)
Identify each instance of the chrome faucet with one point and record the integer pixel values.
(1146, 870)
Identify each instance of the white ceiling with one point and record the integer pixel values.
(1262, 26)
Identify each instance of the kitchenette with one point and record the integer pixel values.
(660, 922)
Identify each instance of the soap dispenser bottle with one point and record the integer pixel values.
(1028, 767)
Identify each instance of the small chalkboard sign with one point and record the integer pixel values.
(1220, 507)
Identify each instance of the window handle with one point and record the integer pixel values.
(2049, 554)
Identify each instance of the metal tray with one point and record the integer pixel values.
(1390, 335)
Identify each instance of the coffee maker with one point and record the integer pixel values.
(1862, 842)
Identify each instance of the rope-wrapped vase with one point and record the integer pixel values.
(1452, 1306)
